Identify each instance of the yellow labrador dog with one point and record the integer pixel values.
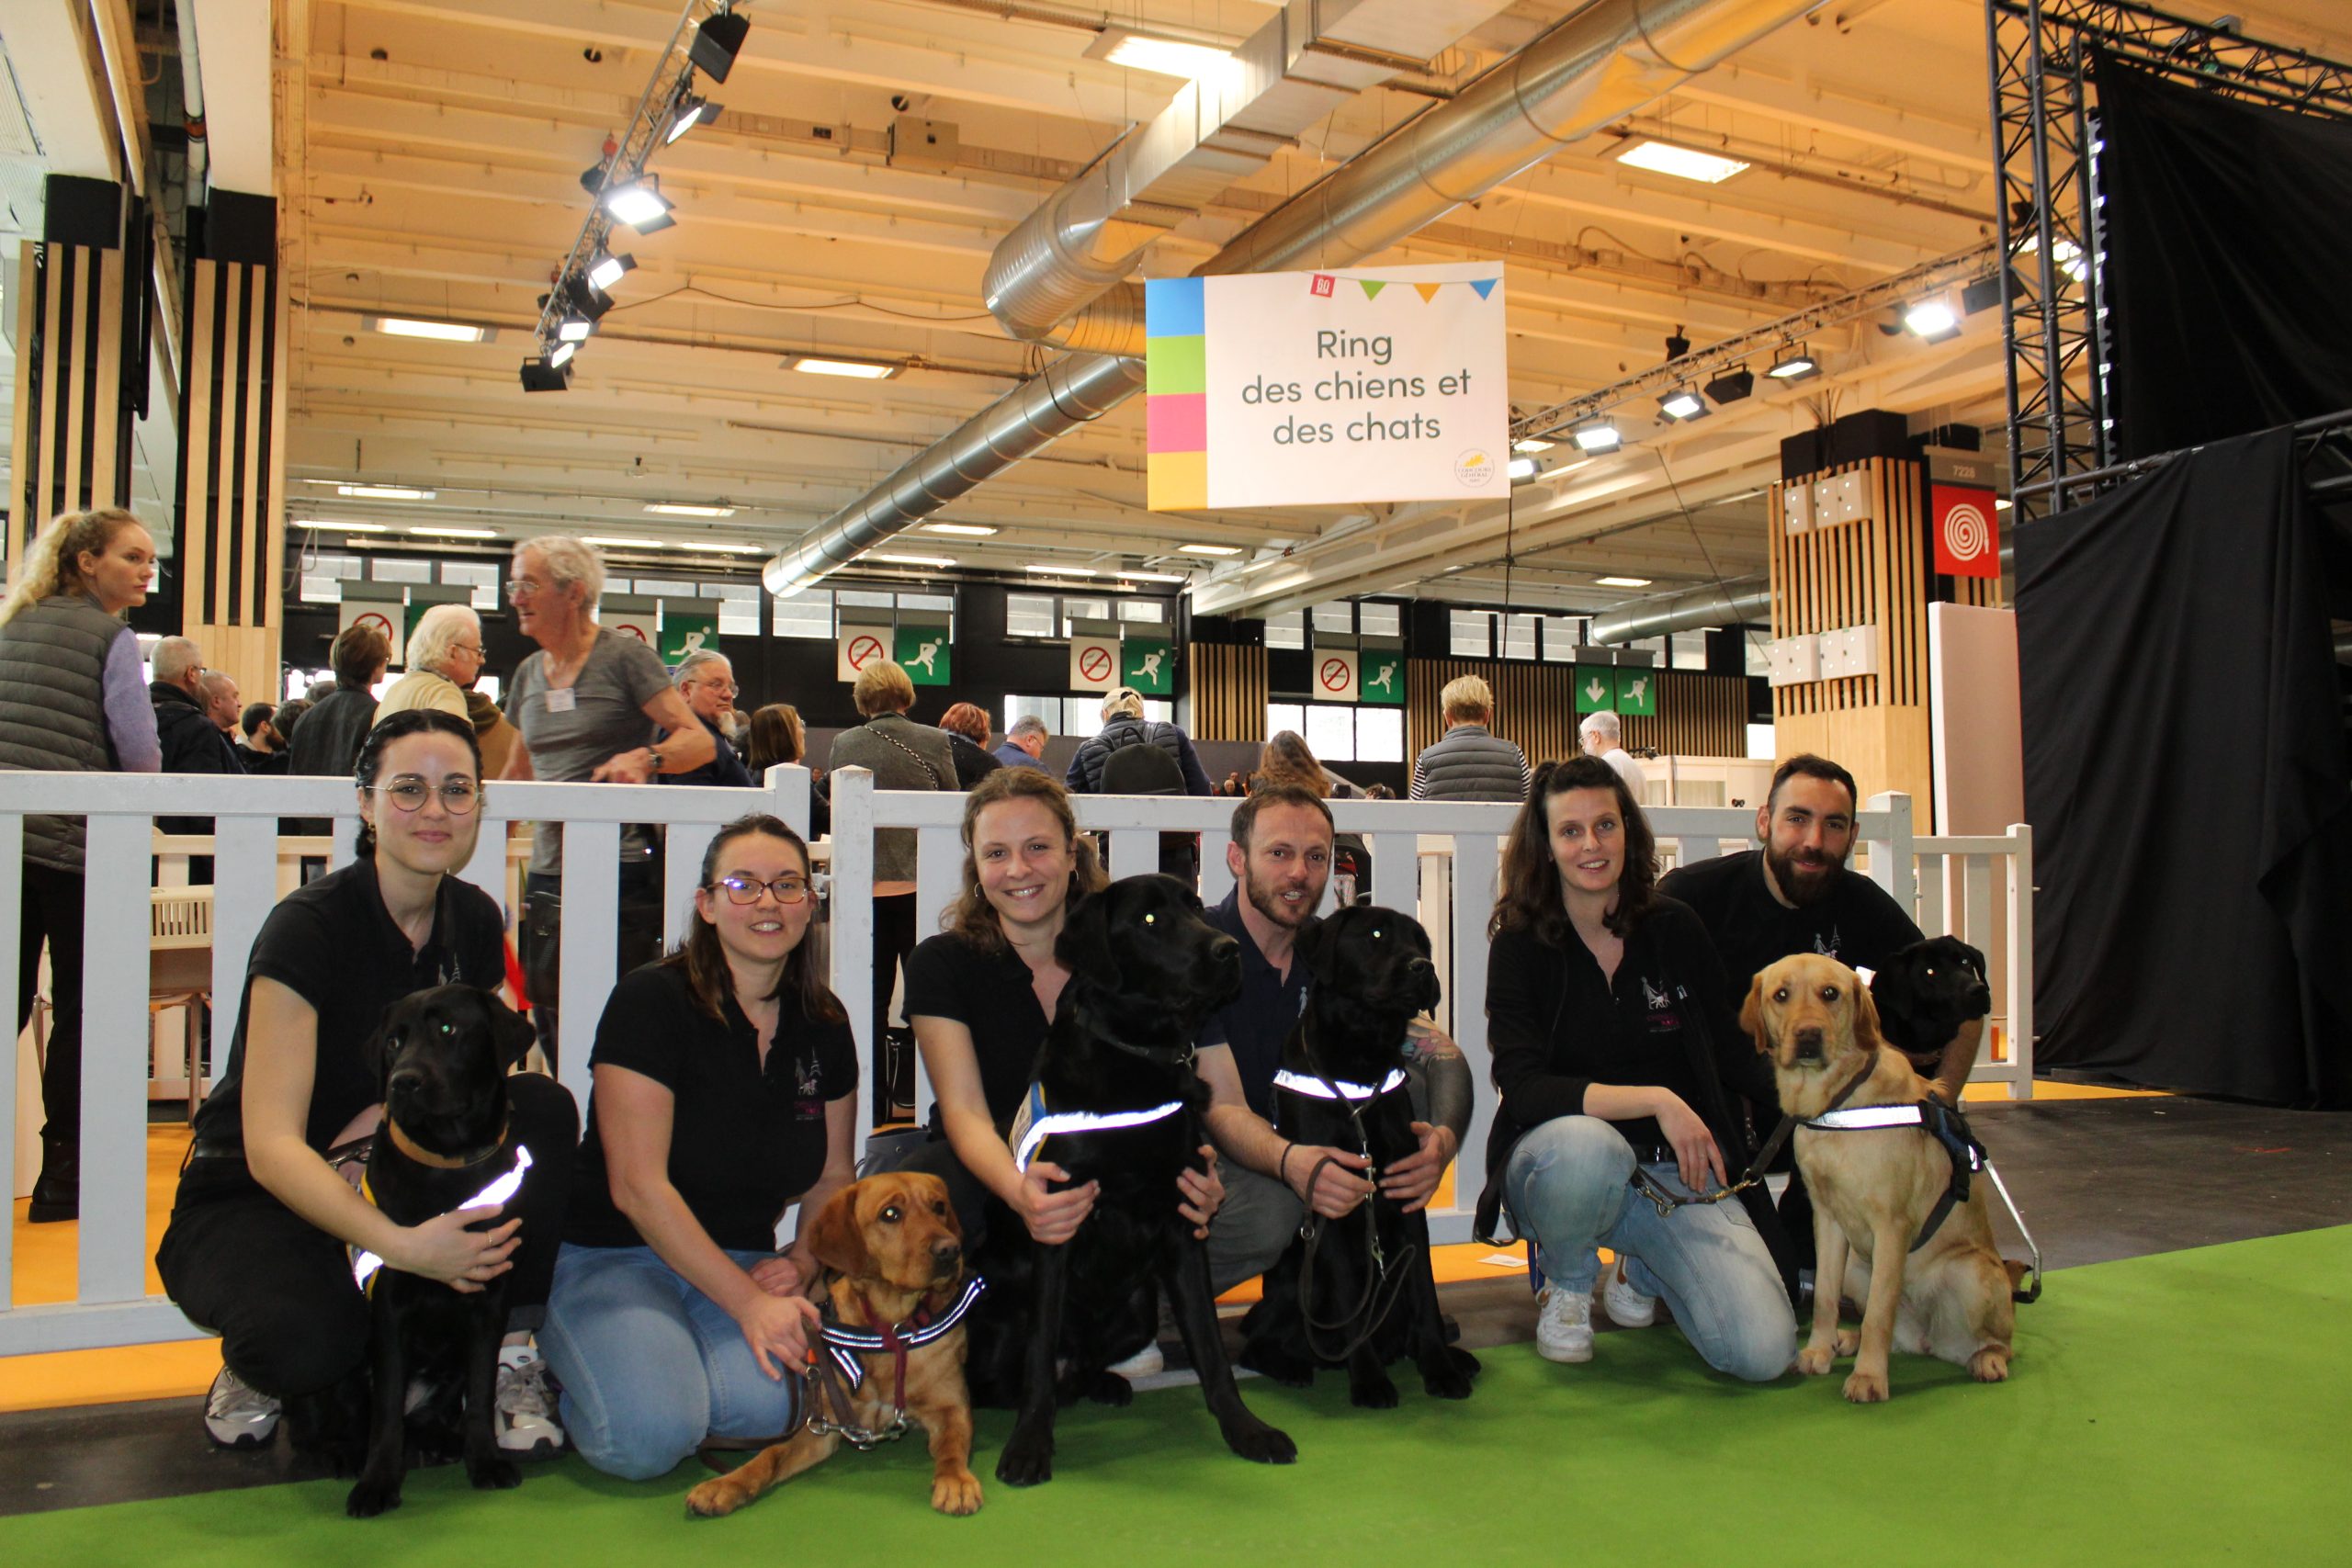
(1873, 1190)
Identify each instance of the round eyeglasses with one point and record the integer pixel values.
(408, 794)
(747, 889)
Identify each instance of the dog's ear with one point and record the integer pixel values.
(1866, 1031)
(510, 1029)
(1084, 946)
(1751, 1017)
(1975, 958)
(836, 1241)
(377, 1054)
(1313, 944)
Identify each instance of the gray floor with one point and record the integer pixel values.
(2098, 1180)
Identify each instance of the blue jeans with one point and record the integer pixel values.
(649, 1365)
(1569, 1186)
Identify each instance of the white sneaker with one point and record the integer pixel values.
(1564, 1326)
(1626, 1307)
(238, 1416)
(1146, 1362)
(526, 1420)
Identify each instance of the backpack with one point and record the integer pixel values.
(1140, 767)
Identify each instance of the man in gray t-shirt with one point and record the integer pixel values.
(573, 730)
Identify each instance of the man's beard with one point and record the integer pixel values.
(1263, 898)
(1802, 885)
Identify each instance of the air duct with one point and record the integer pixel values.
(1717, 604)
(1608, 60)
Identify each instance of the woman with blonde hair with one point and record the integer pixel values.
(73, 699)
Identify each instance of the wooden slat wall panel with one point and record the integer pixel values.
(1229, 690)
(1699, 715)
(231, 500)
(69, 443)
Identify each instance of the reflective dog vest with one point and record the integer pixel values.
(846, 1344)
(1035, 1123)
(499, 1192)
(1942, 1122)
(1317, 1088)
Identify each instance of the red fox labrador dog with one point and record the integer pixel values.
(1875, 1189)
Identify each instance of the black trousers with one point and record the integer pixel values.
(893, 1075)
(540, 944)
(50, 910)
(278, 1290)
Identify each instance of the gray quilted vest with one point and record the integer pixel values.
(1470, 763)
(52, 707)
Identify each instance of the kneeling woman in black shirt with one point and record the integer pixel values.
(980, 993)
(725, 1086)
(1611, 1049)
(255, 1249)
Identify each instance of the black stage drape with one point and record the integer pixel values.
(2228, 229)
(2185, 774)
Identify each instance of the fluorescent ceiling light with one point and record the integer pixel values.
(728, 549)
(963, 530)
(1682, 162)
(1208, 550)
(1156, 576)
(1933, 320)
(345, 527)
(1599, 436)
(1064, 570)
(862, 370)
(639, 204)
(1621, 582)
(608, 269)
(441, 533)
(1168, 56)
(913, 561)
(1683, 404)
(680, 509)
(440, 331)
(1533, 443)
(606, 540)
(383, 493)
(1794, 365)
(560, 355)
(1519, 469)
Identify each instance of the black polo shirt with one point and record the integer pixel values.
(745, 1139)
(333, 944)
(1858, 922)
(990, 994)
(1255, 1023)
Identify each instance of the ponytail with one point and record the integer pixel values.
(53, 563)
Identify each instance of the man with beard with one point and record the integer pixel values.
(1281, 861)
(1794, 896)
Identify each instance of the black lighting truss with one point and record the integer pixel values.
(2062, 436)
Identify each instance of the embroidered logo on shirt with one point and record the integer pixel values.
(1663, 1020)
(1656, 998)
(1827, 947)
(809, 1099)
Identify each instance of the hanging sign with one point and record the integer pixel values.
(859, 646)
(924, 652)
(1294, 389)
(1094, 662)
(1636, 695)
(684, 633)
(637, 624)
(1596, 687)
(1380, 676)
(1968, 536)
(1335, 674)
(1149, 665)
(387, 616)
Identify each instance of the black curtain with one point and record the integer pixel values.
(2185, 774)
(2228, 229)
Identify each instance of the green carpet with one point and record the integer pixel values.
(2187, 1408)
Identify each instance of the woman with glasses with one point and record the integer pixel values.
(256, 1247)
(724, 1092)
(707, 682)
(445, 654)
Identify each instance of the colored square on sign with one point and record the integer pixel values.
(1172, 308)
(1176, 364)
(1177, 482)
(1596, 687)
(1636, 692)
(921, 651)
(1177, 422)
(1149, 665)
(1322, 285)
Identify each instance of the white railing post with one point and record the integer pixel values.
(12, 873)
(590, 926)
(851, 894)
(787, 787)
(1891, 847)
(117, 913)
(1477, 868)
(2021, 932)
(244, 890)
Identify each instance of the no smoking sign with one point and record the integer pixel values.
(1335, 675)
(859, 646)
(1094, 663)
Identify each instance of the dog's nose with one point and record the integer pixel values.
(1808, 1039)
(405, 1078)
(945, 1255)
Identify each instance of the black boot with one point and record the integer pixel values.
(58, 1194)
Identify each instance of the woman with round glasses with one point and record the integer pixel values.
(726, 1084)
(256, 1247)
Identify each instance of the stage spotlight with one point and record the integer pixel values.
(1732, 385)
(538, 376)
(560, 355)
(1682, 405)
(1933, 320)
(1794, 365)
(691, 111)
(592, 178)
(583, 298)
(1597, 437)
(608, 269)
(640, 203)
(574, 328)
(716, 42)
(1676, 345)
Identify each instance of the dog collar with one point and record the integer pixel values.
(845, 1344)
(1318, 1087)
(364, 1264)
(422, 1155)
(1042, 1124)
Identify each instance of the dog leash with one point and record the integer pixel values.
(1666, 1203)
(1385, 1285)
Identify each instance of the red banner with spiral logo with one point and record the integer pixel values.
(1968, 535)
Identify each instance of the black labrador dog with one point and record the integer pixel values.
(1932, 998)
(445, 1141)
(1360, 1294)
(1115, 1101)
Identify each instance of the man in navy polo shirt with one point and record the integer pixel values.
(1281, 861)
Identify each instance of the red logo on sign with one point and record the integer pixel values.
(372, 619)
(1322, 285)
(637, 632)
(1334, 674)
(1968, 540)
(1095, 664)
(862, 649)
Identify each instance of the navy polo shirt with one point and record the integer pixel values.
(1255, 1023)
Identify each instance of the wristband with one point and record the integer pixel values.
(1282, 1165)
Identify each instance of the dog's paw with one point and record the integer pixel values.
(1468, 1365)
(718, 1498)
(958, 1494)
(1990, 1365)
(1374, 1392)
(494, 1475)
(1025, 1463)
(1849, 1341)
(1866, 1388)
(1262, 1444)
(1287, 1371)
(1815, 1361)
(369, 1498)
(1110, 1388)
(1452, 1383)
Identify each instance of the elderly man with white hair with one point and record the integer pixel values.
(1603, 736)
(192, 740)
(707, 681)
(445, 654)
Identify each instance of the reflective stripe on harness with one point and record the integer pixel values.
(846, 1344)
(1038, 1123)
(498, 1193)
(1317, 1088)
(1946, 1125)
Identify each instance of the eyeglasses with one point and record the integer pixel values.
(522, 587)
(408, 794)
(471, 650)
(724, 688)
(747, 889)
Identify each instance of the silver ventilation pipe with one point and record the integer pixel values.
(1609, 60)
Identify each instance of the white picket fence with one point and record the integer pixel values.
(1437, 861)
